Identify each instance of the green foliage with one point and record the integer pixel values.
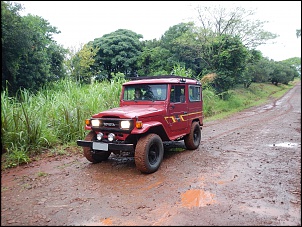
(181, 71)
(180, 41)
(150, 62)
(56, 56)
(16, 158)
(118, 77)
(294, 62)
(228, 60)
(118, 52)
(282, 73)
(32, 122)
(82, 62)
(30, 58)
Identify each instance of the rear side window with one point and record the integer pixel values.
(194, 93)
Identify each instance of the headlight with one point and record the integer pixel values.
(95, 123)
(125, 124)
(111, 137)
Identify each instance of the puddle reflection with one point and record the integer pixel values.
(197, 198)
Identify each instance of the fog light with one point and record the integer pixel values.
(111, 137)
(99, 136)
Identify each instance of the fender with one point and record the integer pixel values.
(146, 127)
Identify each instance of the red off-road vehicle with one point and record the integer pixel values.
(152, 110)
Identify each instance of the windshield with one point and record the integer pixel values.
(154, 92)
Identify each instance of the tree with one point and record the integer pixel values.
(294, 62)
(228, 61)
(15, 42)
(282, 73)
(30, 57)
(81, 63)
(217, 21)
(182, 44)
(118, 52)
(152, 61)
(260, 71)
(251, 67)
(56, 54)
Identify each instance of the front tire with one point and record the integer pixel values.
(89, 155)
(192, 140)
(149, 153)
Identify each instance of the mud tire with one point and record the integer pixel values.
(192, 140)
(149, 153)
(94, 158)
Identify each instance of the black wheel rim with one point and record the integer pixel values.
(196, 136)
(153, 154)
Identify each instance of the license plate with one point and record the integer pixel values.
(100, 146)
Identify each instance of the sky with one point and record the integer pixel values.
(83, 21)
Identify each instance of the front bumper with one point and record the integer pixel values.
(94, 145)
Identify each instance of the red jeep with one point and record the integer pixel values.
(153, 110)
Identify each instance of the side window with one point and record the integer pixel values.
(128, 93)
(177, 93)
(160, 92)
(194, 93)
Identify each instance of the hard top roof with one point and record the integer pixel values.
(161, 79)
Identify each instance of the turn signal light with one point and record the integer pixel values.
(87, 122)
(139, 124)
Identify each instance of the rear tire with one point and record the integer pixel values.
(149, 153)
(192, 140)
(89, 155)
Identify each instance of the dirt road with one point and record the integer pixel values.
(247, 171)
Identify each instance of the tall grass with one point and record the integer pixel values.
(55, 115)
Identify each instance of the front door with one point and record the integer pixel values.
(178, 108)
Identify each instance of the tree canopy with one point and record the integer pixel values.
(30, 56)
(118, 52)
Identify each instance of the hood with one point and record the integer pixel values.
(132, 111)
